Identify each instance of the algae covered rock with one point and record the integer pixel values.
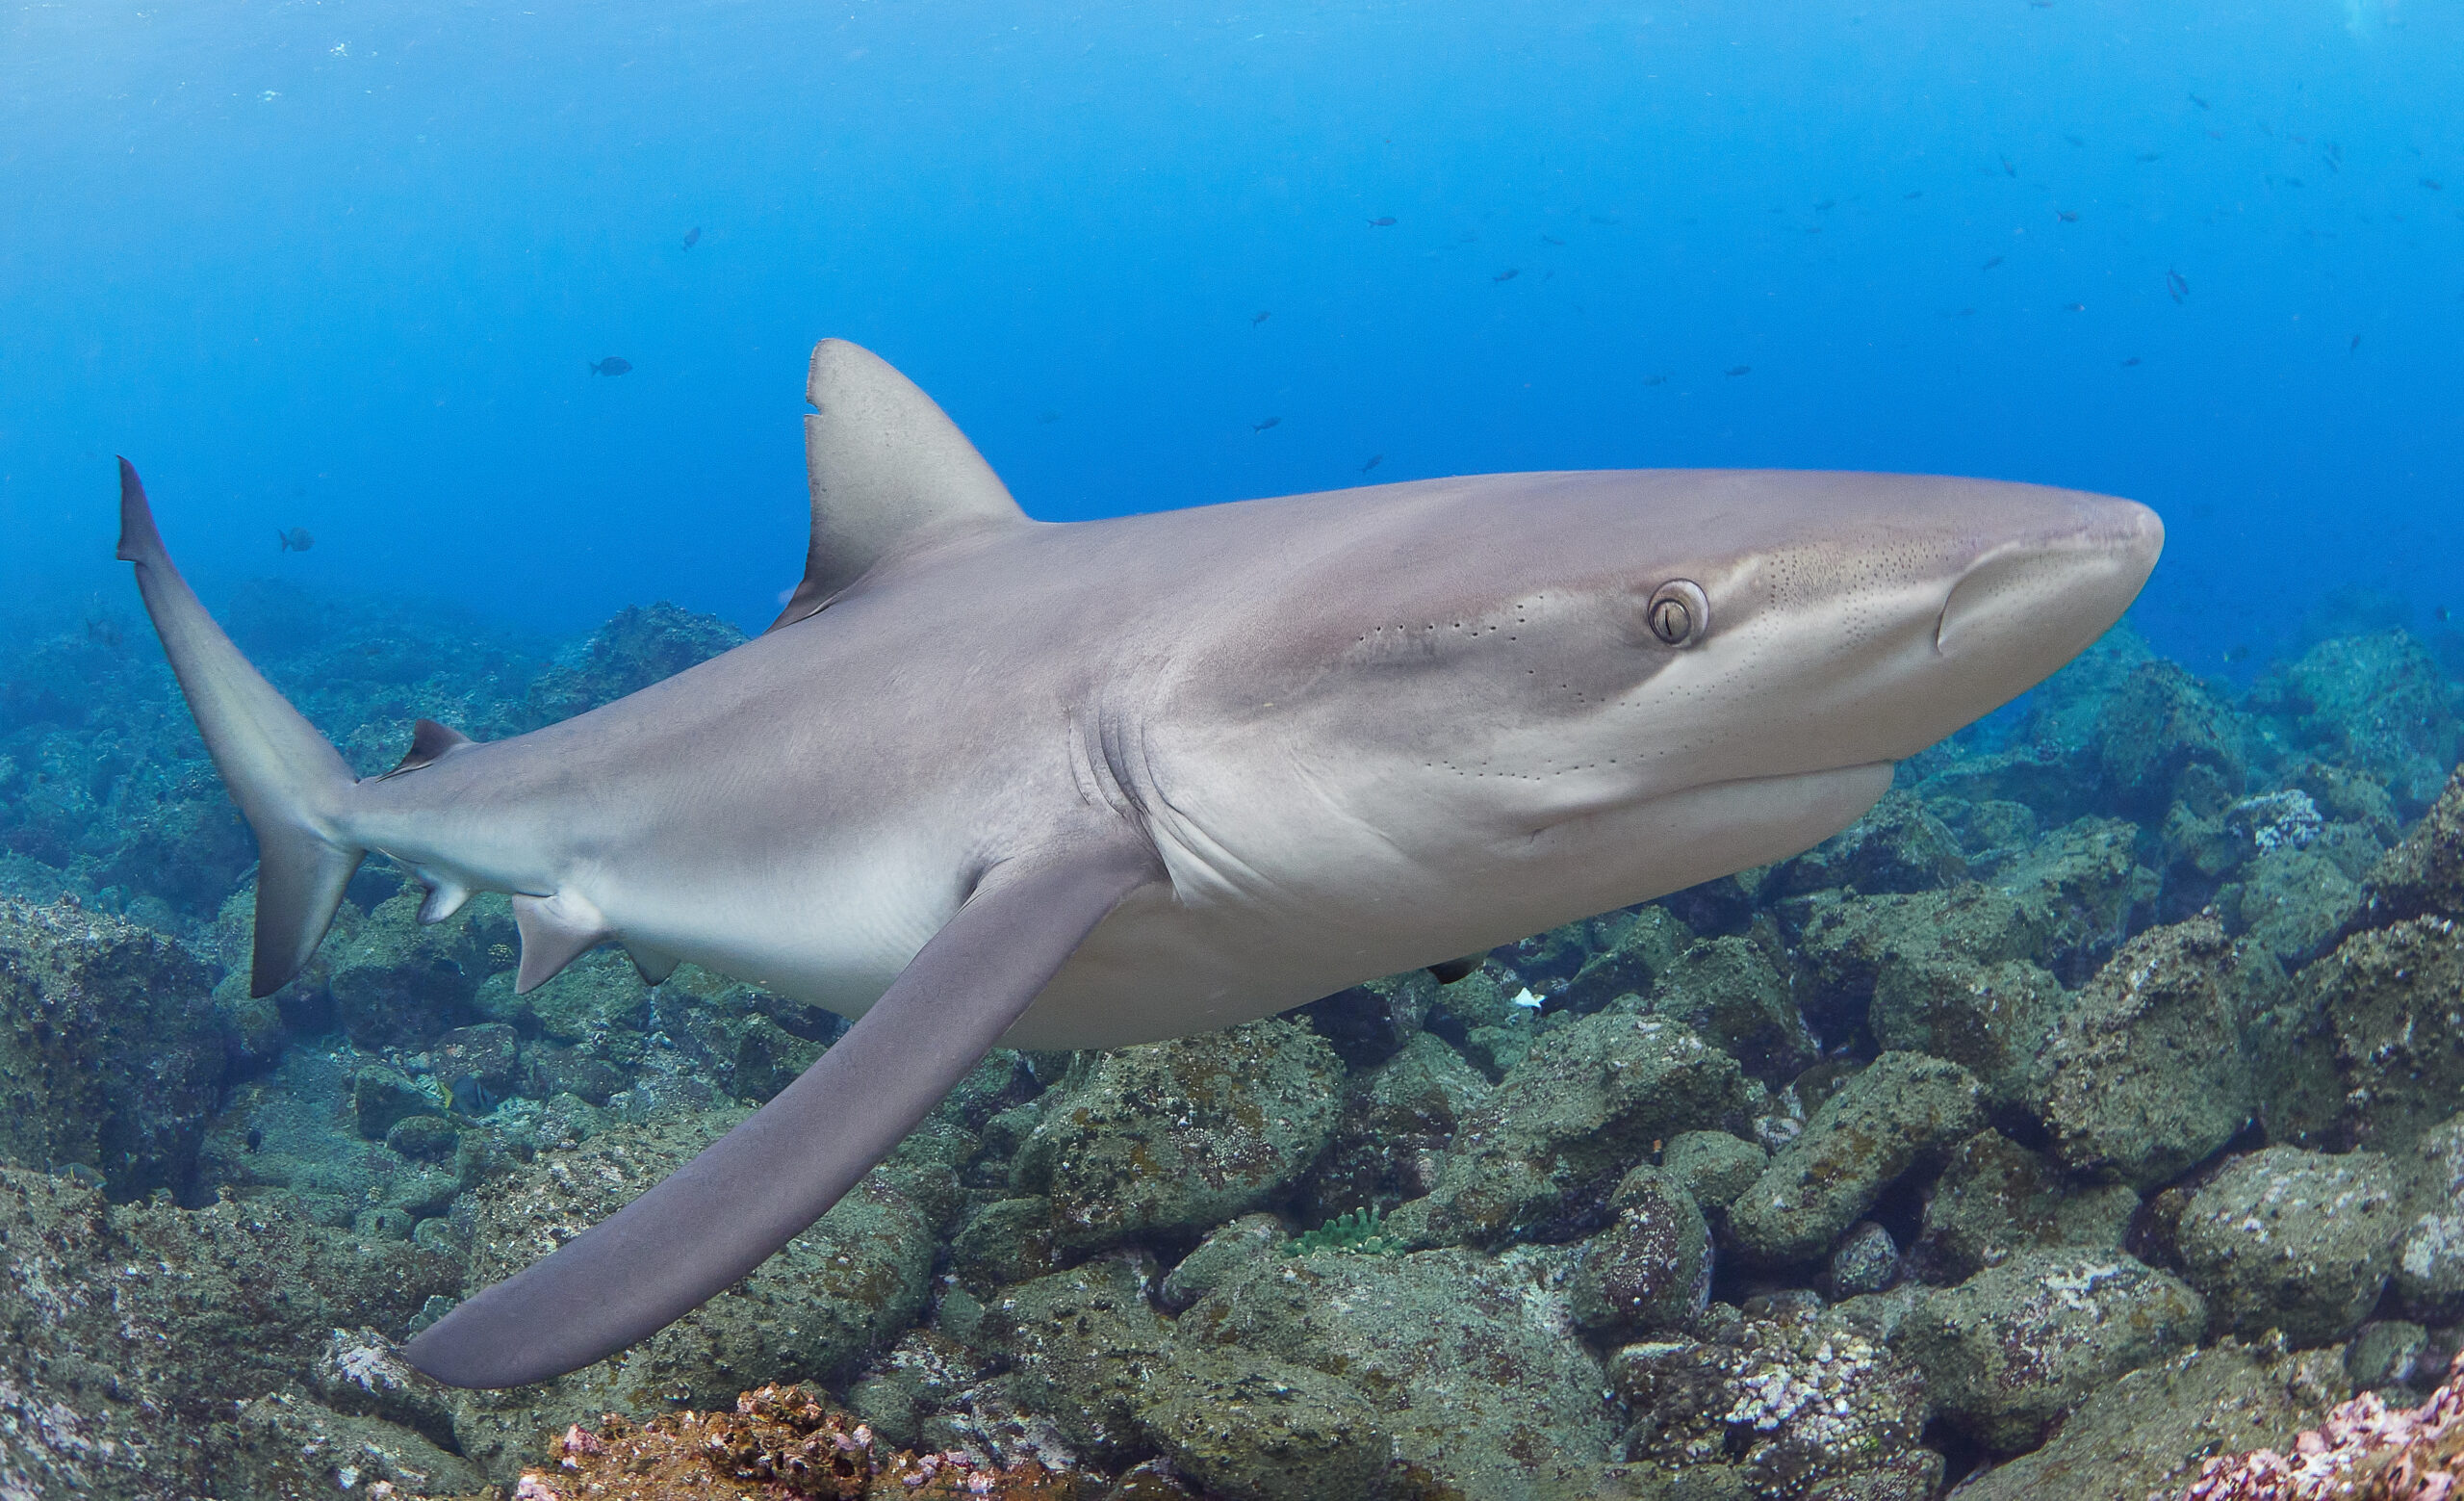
(1087, 1351)
(1996, 1198)
(1258, 1430)
(2144, 1074)
(639, 646)
(2162, 729)
(1650, 1267)
(2368, 1054)
(108, 1056)
(1899, 846)
(1714, 1167)
(1590, 1100)
(2292, 1241)
(2007, 1353)
(2424, 875)
(1728, 991)
(1180, 1136)
(2376, 704)
(2293, 902)
(2084, 891)
(1881, 1123)
(2148, 1434)
(1849, 947)
(1469, 1362)
(397, 982)
(1794, 1404)
(1396, 1122)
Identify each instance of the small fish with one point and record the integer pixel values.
(2294, 182)
(295, 540)
(1601, 219)
(1655, 381)
(2074, 307)
(2133, 360)
(1375, 459)
(1261, 426)
(1825, 206)
(2237, 654)
(1550, 240)
(2151, 156)
(1919, 194)
(2432, 184)
(2009, 169)
(1991, 263)
(2201, 103)
(692, 237)
(2441, 613)
(2074, 141)
(2176, 284)
(2355, 347)
(1741, 370)
(1508, 274)
(256, 1138)
(1963, 312)
(612, 365)
(2067, 215)
(1048, 415)
(1388, 222)
(471, 1097)
(1261, 318)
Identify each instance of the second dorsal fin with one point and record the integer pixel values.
(888, 470)
(430, 742)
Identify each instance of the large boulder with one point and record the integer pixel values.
(1900, 1110)
(1178, 1137)
(2294, 1241)
(2424, 875)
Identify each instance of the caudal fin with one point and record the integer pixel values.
(288, 781)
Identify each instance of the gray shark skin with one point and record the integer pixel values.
(990, 781)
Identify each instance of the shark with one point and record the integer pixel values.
(994, 782)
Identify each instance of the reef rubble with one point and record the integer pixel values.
(2091, 1112)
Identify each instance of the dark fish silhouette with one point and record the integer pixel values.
(2150, 156)
(2074, 141)
(1601, 219)
(610, 365)
(295, 541)
(1991, 263)
(1741, 370)
(2177, 285)
(2201, 103)
(472, 1097)
(1261, 318)
(2355, 347)
(2009, 169)
(2067, 215)
(1508, 274)
(1919, 194)
(1261, 426)
(2133, 360)
(1655, 381)
(2441, 613)
(1550, 240)
(692, 237)
(1388, 222)
(2237, 654)
(2432, 184)
(1375, 459)
(2074, 307)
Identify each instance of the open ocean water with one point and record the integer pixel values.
(2089, 1114)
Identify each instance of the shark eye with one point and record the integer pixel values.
(1679, 612)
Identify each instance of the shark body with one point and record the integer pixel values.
(992, 781)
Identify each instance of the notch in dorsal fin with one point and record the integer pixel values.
(555, 931)
(430, 742)
(888, 469)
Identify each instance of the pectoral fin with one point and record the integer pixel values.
(760, 1185)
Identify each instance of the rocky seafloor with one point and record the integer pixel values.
(2092, 1109)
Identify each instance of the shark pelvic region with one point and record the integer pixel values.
(993, 781)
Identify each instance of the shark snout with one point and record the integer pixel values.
(2028, 601)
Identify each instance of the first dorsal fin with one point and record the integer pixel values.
(430, 741)
(888, 470)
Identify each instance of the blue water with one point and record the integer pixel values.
(344, 267)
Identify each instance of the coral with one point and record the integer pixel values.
(1360, 1233)
(2362, 1451)
(780, 1443)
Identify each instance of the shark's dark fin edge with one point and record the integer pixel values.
(887, 472)
(759, 1186)
(555, 931)
(287, 779)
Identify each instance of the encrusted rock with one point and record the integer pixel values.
(1713, 1166)
(1592, 1099)
(397, 982)
(1396, 1122)
(2373, 1056)
(1252, 1237)
(1252, 1429)
(1728, 990)
(1650, 1268)
(1867, 1261)
(1087, 1351)
(1794, 1406)
(2011, 1351)
(2144, 1076)
(1183, 1135)
(1469, 1361)
(2291, 1240)
(1876, 1126)
(1995, 1198)
(2424, 875)
(1899, 846)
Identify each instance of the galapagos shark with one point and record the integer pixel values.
(989, 781)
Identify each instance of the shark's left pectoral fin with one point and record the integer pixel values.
(760, 1185)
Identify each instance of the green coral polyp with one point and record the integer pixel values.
(1360, 1233)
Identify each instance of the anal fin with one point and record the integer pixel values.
(650, 964)
(555, 931)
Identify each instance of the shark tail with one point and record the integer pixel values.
(288, 780)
